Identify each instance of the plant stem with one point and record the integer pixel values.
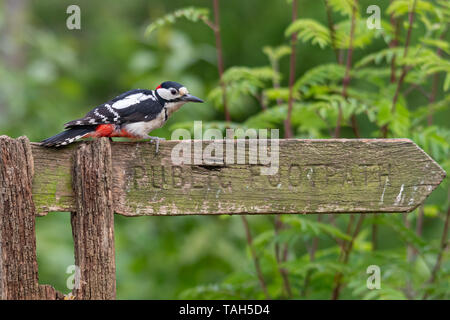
(346, 80)
(332, 31)
(345, 257)
(405, 68)
(255, 258)
(374, 236)
(278, 225)
(312, 256)
(393, 43)
(220, 63)
(276, 71)
(443, 247)
(434, 86)
(287, 123)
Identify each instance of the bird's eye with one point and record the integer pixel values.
(173, 91)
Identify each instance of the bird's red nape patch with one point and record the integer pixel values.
(158, 87)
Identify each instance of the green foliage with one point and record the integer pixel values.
(310, 30)
(275, 54)
(344, 7)
(64, 74)
(191, 14)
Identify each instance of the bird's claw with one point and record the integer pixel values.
(156, 140)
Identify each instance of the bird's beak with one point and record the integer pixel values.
(190, 98)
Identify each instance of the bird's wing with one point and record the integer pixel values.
(132, 106)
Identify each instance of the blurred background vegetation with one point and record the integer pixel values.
(50, 75)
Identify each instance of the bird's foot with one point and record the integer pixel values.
(156, 140)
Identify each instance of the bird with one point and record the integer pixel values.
(132, 114)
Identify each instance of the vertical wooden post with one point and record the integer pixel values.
(18, 264)
(93, 221)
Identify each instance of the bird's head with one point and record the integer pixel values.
(174, 93)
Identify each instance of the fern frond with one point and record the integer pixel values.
(320, 75)
(276, 53)
(192, 14)
(361, 38)
(378, 57)
(443, 45)
(344, 7)
(310, 30)
(252, 76)
(279, 93)
(402, 7)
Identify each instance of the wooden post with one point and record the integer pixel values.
(93, 221)
(312, 176)
(18, 264)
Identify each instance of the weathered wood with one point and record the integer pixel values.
(93, 221)
(18, 264)
(315, 176)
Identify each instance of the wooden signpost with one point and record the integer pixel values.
(314, 176)
(96, 179)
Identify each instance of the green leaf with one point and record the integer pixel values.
(402, 7)
(322, 74)
(385, 55)
(440, 44)
(344, 7)
(362, 36)
(406, 234)
(192, 14)
(310, 30)
(314, 227)
(276, 53)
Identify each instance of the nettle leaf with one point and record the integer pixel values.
(192, 14)
(310, 30)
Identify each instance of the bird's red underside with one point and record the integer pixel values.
(108, 130)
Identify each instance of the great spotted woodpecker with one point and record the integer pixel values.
(132, 114)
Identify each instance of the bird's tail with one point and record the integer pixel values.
(68, 136)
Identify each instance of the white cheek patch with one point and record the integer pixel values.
(166, 95)
(130, 100)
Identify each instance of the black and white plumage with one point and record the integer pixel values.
(132, 114)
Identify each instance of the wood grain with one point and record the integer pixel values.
(314, 176)
(18, 263)
(93, 222)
